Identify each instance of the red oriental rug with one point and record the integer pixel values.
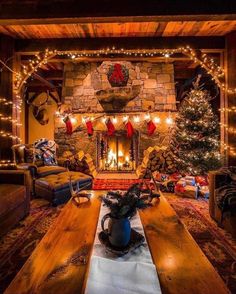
(103, 184)
(218, 246)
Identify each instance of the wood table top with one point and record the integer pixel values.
(60, 262)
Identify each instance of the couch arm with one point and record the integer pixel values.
(216, 180)
(17, 177)
(28, 166)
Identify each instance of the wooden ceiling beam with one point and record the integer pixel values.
(32, 46)
(53, 75)
(69, 11)
(117, 19)
(43, 81)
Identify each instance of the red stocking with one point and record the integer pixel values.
(68, 123)
(89, 126)
(130, 129)
(151, 127)
(110, 127)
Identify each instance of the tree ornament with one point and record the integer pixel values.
(110, 127)
(89, 126)
(129, 129)
(118, 75)
(68, 123)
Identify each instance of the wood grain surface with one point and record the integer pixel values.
(181, 265)
(60, 262)
(121, 29)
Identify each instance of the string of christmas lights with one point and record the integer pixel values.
(203, 60)
(228, 109)
(116, 118)
(20, 78)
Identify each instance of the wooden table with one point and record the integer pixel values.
(60, 262)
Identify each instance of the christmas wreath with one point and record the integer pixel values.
(118, 75)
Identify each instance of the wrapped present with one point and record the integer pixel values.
(181, 182)
(179, 188)
(204, 191)
(202, 181)
(187, 191)
(175, 177)
(168, 186)
(190, 181)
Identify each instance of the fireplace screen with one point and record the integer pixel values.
(116, 153)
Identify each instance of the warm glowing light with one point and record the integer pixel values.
(127, 158)
(114, 120)
(157, 119)
(73, 120)
(104, 119)
(147, 116)
(120, 153)
(136, 119)
(169, 120)
(125, 118)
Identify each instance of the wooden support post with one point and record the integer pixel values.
(6, 55)
(231, 79)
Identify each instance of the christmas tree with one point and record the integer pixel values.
(197, 134)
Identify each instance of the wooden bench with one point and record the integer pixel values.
(60, 262)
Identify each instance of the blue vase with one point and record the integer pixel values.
(118, 230)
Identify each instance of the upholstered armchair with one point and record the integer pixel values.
(24, 158)
(219, 181)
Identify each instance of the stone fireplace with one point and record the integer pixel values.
(88, 93)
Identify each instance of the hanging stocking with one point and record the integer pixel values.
(68, 123)
(150, 127)
(130, 129)
(89, 126)
(110, 127)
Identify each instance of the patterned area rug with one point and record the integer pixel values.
(218, 246)
(19, 243)
(103, 184)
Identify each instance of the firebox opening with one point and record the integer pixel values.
(117, 153)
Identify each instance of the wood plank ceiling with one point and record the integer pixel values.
(124, 29)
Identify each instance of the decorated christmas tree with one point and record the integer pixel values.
(197, 134)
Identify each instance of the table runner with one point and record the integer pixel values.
(133, 273)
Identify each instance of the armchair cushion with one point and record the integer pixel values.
(61, 181)
(44, 171)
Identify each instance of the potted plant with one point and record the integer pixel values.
(123, 206)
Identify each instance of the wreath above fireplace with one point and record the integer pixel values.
(118, 75)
